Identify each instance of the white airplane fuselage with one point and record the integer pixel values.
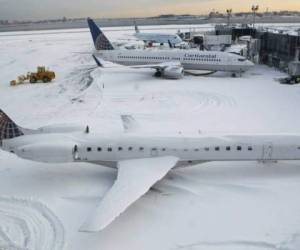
(189, 59)
(99, 149)
(158, 38)
(141, 161)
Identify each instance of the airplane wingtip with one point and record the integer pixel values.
(94, 224)
(89, 228)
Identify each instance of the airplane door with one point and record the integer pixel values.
(267, 151)
(75, 153)
(154, 152)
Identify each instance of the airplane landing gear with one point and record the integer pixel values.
(158, 73)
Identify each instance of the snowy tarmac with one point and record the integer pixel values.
(213, 206)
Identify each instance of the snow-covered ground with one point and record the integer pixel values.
(213, 206)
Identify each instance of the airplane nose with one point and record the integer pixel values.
(249, 63)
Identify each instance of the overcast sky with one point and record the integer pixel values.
(45, 9)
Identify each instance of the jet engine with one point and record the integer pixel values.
(54, 152)
(173, 72)
(62, 128)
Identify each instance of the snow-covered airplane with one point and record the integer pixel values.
(141, 160)
(169, 63)
(172, 39)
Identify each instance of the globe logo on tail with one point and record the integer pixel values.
(8, 129)
(102, 43)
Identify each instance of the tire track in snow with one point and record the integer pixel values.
(27, 224)
(177, 101)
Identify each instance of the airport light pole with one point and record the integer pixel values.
(254, 10)
(229, 11)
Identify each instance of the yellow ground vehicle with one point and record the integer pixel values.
(41, 75)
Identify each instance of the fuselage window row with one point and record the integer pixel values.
(217, 148)
(168, 58)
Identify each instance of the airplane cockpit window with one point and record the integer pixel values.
(242, 59)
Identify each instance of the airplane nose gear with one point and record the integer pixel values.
(75, 153)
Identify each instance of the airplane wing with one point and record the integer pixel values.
(158, 66)
(135, 178)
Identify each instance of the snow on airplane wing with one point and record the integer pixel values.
(135, 178)
(129, 123)
(158, 66)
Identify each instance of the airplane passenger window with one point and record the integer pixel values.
(217, 148)
(299, 147)
(196, 149)
(239, 148)
(120, 148)
(206, 149)
(130, 148)
(163, 149)
(250, 148)
(228, 148)
(89, 149)
(99, 149)
(185, 150)
(109, 149)
(141, 148)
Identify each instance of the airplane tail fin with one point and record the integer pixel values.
(136, 28)
(8, 129)
(100, 40)
(170, 44)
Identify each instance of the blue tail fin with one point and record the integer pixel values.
(100, 40)
(8, 129)
(136, 28)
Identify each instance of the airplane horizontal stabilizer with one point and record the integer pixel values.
(98, 61)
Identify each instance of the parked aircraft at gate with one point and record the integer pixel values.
(166, 61)
(141, 161)
(171, 39)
